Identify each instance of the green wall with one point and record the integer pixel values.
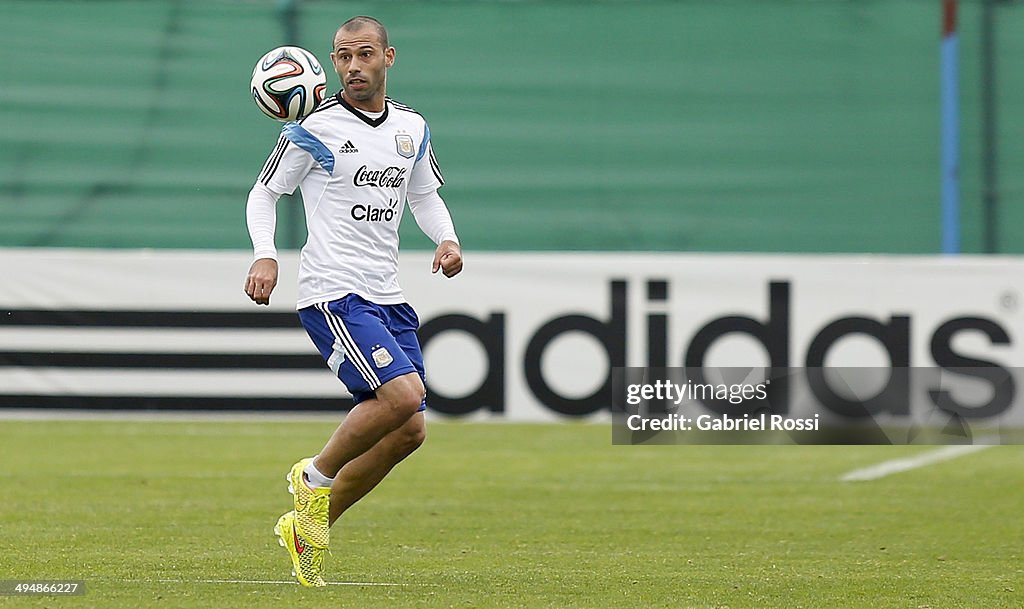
(741, 125)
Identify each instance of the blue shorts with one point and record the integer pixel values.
(365, 344)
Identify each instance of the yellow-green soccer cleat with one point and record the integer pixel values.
(307, 561)
(312, 508)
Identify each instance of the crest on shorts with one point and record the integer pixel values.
(405, 145)
(381, 357)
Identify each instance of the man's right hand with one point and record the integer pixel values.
(261, 280)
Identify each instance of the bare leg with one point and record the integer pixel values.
(362, 474)
(397, 401)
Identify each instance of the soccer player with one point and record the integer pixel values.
(358, 158)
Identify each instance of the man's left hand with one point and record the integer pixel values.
(448, 258)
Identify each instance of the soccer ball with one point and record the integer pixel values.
(288, 83)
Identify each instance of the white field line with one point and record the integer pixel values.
(895, 466)
(268, 582)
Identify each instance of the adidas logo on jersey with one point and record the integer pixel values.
(348, 147)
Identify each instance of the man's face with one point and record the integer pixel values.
(361, 61)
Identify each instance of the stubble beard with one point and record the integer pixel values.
(366, 94)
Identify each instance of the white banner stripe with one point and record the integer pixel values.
(142, 382)
(156, 340)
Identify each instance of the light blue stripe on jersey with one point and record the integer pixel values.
(298, 135)
(423, 144)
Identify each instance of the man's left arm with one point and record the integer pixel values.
(430, 211)
(435, 221)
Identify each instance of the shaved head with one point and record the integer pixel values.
(360, 22)
(361, 57)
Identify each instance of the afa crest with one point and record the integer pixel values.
(406, 149)
(382, 357)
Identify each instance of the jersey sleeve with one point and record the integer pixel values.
(286, 166)
(261, 220)
(426, 175)
(433, 217)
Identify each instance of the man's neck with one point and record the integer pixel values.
(374, 104)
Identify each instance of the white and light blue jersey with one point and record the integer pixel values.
(355, 172)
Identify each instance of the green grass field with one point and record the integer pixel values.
(489, 515)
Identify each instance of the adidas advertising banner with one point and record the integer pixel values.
(535, 336)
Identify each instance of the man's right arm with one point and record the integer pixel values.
(284, 170)
(261, 219)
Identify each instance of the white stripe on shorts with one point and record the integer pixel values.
(341, 333)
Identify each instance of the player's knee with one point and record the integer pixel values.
(406, 397)
(411, 440)
(411, 401)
